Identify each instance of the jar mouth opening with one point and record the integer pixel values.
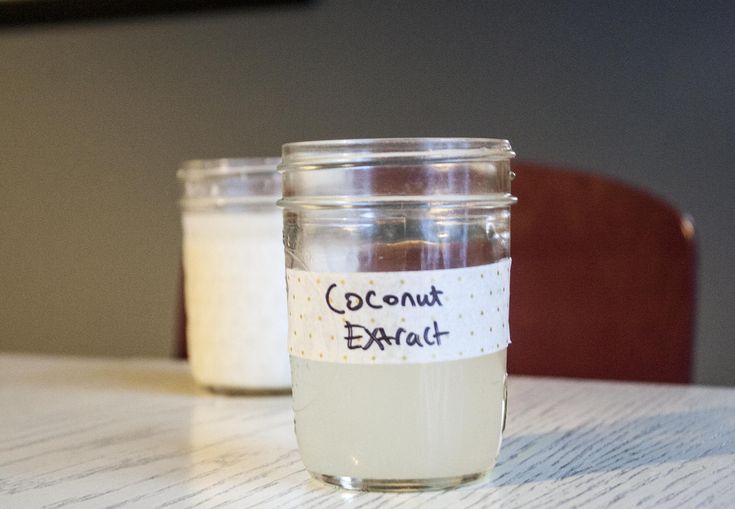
(204, 168)
(308, 155)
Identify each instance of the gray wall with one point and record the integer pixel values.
(94, 118)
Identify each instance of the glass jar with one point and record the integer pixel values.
(233, 274)
(398, 266)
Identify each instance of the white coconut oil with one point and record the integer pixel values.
(234, 275)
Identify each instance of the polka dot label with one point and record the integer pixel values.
(399, 317)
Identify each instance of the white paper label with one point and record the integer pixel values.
(398, 317)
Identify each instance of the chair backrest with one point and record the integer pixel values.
(603, 279)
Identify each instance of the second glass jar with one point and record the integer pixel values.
(234, 280)
(398, 264)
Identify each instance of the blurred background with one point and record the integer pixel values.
(96, 114)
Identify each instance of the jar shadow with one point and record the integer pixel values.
(623, 445)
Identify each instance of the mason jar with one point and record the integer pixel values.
(398, 264)
(233, 274)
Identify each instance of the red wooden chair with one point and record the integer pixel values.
(603, 279)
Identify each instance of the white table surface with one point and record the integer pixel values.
(137, 433)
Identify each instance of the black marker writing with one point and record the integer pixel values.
(353, 301)
(360, 337)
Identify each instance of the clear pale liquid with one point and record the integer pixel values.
(416, 421)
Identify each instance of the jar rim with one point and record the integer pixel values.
(229, 182)
(447, 202)
(224, 166)
(306, 155)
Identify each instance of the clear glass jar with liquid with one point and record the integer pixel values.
(398, 263)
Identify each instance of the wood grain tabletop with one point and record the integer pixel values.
(137, 433)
